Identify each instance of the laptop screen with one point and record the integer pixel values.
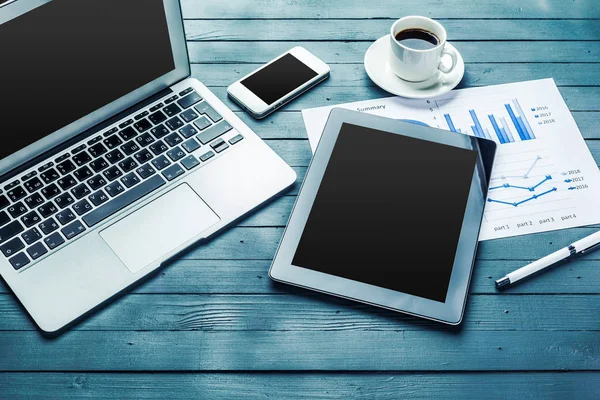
(67, 58)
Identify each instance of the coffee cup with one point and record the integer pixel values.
(418, 47)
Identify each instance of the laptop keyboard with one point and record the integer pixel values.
(51, 205)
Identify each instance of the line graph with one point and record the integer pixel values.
(518, 203)
(530, 188)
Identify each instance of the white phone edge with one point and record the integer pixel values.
(258, 108)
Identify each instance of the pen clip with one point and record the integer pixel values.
(590, 249)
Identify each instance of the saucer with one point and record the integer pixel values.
(376, 65)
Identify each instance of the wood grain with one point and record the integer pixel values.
(373, 29)
(312, 385)
(359, 9)
(306, 311)
(421, 350)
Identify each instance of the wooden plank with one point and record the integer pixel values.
(576, 98)
(354, 52)
(423, 350)
(251, 277)
(373, 29)
(316, 9)
(352, 75)
(246, 386)
(307, 311)
(290, 125)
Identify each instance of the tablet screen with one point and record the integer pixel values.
(389, 212)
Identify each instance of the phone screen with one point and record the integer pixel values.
(279, 78)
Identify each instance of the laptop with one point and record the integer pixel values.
(113, 160)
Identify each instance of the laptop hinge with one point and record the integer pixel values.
(83, 135)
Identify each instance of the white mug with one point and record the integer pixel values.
(419, 65)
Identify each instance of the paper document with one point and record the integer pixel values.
(544, 176)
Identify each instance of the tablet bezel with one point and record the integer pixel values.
(451, 312)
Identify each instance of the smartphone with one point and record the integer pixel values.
(277, 82)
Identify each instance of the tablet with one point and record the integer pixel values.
(389, 214)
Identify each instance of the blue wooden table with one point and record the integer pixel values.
(212, 325)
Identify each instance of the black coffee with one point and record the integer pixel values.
(418, 39)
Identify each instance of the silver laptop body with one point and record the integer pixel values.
(93, 206)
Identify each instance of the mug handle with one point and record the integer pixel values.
(452, 53)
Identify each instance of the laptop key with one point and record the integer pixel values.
(65, 167)
(145, 171)
(176, 154)
(186, 91)
(96, 182)
(19, 261)
(64, 200)
(82, 158)
(156, 107)
(12, 185)
(112, 142)
(47, 209)
(189, 100)
(78, 149)
(190, 162)
(236, 139)
(16, 193)
(114, 156)
(126, 165)
(171, 99)
(101, 213)
(202, 123)
(190, 145)
(110, 131)
(144, 156)
(171, 110)
(49, 175)
(141, 115)
(174, 123)
(12, 247)
(158, 147)
(37, 250)
(130, 147)
(173, 139)
(65, 216)
(49, 226)
(130, 180)
(128, 133)
(31, 236)
(114, 189)
(142, 126)
(80, 191)
(99, 164)
(98, 198)
(112, 173)
(207, 156)
(159, 131)
(50, 191)
(72, 230)
(54, 240)
(3, 202)
(91, 142)
(45, 166)
(161, 162)
(144, 140)
(188, 131)
(189, 115)
(11, 230)
(126, 123)
(17, 209)
(33, 184)
(83, 173)
(30, 219)
(67, 182)
(219, 145)
(82, 207)
(173, 172)
(97, 150)
(214, 132)
(157, 117)
(205, 108)
(34, 200)
(4, 218)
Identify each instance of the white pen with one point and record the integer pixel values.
(583, 246)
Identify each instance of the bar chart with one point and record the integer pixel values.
(499, 129)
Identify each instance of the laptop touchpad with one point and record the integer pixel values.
(160, 227)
